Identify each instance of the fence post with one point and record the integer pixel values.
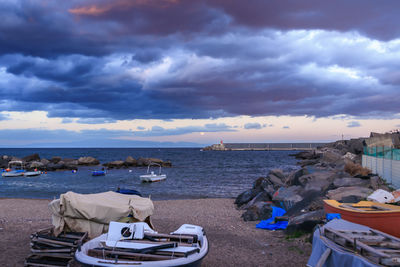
(376, 159)
(391, 165)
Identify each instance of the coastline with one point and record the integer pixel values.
(233, 242)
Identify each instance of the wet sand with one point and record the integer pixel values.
(233, 242)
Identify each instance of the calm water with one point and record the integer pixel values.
(195, 173)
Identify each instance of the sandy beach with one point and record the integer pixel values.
(233, 242)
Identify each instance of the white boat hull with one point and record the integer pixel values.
(12, 174)
(34, 173)
(82, 257)
(148, 178)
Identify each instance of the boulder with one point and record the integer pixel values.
(312, 200)
(377, 183)
(318, 185)
(350, 156)
(275, 181)
(309, 179)
(33, 157)
(147, 161)
(278, 173)
(331, 156)
(293, 178)
(129, 161)
(246, 196)
(88, 161)
(36, 165)
(343, 192)
(308, 162)
(55, 166)
(44, 161)
(260, 197)
(3, 163)
(305, 222)
(71, 164)
(288, 196)
(55, 159)
(342, 182)
(259, 211)
(115, 164)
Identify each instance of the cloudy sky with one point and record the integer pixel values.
(185, 73)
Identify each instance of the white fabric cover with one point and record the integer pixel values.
(93, 212)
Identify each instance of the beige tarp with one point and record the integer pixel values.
(93, 212)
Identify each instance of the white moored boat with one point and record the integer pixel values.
(151, 176)
(136, 244)
(32, 173)
(18, 172)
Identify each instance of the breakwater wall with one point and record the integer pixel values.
(264, 146)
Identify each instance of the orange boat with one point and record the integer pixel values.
(383, 217)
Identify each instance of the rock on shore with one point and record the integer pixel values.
(332, 171)
(32, 162)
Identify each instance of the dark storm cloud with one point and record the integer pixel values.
(102, 61)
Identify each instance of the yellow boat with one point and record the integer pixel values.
(383, 217)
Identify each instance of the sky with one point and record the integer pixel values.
(165, 73)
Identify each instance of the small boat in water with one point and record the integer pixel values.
(32, 173)
(383, 217)
(150, 176)
(98, 173)
(14, 173)
(136, 244)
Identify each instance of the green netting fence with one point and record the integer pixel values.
(383, 152)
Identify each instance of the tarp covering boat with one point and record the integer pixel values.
(339, 256)
(93, 212)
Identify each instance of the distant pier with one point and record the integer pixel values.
(264, 146)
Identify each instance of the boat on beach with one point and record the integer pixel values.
(344, 243)
(150, 176)
(383, 217)
(19, 171)
(137, 244)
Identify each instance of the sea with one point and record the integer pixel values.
(194, 173)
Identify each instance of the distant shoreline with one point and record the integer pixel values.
(263, 146)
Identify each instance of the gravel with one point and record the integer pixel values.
(233, 242)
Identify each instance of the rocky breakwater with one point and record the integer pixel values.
(332, 172)
(57, 163)
(140, 162)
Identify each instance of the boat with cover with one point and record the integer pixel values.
(19, 171)
(137, 244)
(151, 176)
(383, 217)
(343, 243)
